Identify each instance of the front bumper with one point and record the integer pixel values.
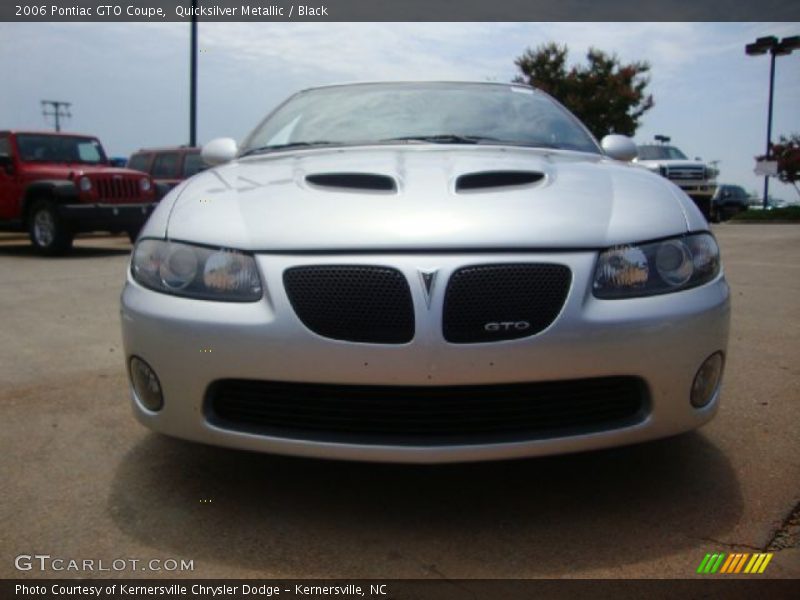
(193, 343)
(106, 216)
(696, 188)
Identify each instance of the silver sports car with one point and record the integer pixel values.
(424, 272)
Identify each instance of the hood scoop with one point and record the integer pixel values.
(367, 182)
(486, 180)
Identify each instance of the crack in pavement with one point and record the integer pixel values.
(788, 534)
(731, 544)
(784, 537)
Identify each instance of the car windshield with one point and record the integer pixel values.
(437, 113)
(60, 148)
(660, 153)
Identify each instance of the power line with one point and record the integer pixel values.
(60, 110)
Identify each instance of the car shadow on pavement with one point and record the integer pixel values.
(527, 518)
(25, 250)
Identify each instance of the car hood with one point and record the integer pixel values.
(266, 203)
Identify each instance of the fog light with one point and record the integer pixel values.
(707, 380)
(146, 385)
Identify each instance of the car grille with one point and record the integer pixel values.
(490, 303)
(116, 188)
(354, 303)
(426, 414)
(685, 173)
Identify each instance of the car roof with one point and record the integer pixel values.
(656, 146)
(50, 133)
(421, 82)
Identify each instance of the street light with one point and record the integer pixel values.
(775, 48)
(193, 78)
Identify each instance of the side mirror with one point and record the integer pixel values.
(219, 151)
(619, 147)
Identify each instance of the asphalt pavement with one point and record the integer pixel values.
(83, 480)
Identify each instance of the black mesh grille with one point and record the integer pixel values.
(353, 303)
(426, 414)
(489, 303)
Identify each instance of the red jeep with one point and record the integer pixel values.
(55, 185)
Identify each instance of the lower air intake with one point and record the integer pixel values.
(407, 415)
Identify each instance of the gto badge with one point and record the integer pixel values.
(428, 278)
(507, 325)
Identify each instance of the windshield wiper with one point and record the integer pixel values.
(262, 149)
(444, 138)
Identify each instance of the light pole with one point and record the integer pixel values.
(775, 48)
(193, 78)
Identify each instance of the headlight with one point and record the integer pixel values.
(144, 184)
(85, 184)
(195, 271)
(656, 268)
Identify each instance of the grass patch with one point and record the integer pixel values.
(787, 213)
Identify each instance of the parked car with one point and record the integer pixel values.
(55, 185)
(694, 177)
(424, 272)
(167, 166)
(727, 201)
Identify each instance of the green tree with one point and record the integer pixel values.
(608, 96)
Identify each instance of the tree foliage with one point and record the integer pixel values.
(787, 153)
(608, 96)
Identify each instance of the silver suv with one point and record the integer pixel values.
(694, 177)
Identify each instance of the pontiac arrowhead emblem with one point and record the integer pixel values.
(428, 278)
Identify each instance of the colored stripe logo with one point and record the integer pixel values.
(734, 563)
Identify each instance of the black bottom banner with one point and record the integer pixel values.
(402, 589)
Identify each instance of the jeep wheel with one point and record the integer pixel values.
(49, 235)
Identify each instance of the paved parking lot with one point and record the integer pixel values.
(83, 480)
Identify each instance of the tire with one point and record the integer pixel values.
(728, 211)
(48, 232)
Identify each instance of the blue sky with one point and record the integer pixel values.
(128, 82)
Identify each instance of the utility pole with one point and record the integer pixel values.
(59, 110)
(193, 79)
(771, 45)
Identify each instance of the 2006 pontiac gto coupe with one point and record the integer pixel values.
(424, 272)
